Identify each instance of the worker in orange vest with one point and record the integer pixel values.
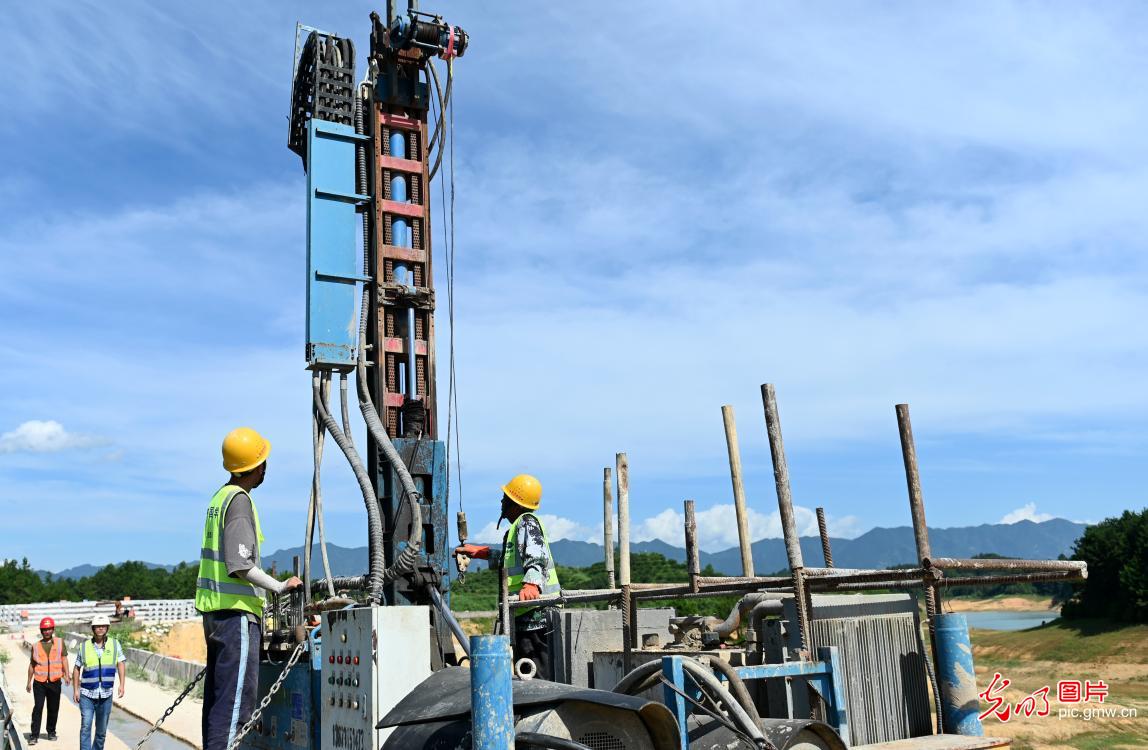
(46, 671)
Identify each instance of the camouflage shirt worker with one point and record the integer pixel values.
(536, 564)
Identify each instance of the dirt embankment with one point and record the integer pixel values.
(184, 641)
(1000, 604)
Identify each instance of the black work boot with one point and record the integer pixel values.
(51, 737)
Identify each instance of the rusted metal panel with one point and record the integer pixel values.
(398, 121)
(412, 210)
(409, 254)
(400, 165)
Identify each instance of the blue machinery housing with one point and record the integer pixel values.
(333, 265)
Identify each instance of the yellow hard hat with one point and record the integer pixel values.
(244, 449)
(524, 490)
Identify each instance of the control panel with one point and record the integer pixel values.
(372, 657)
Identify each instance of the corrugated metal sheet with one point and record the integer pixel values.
(885, 681)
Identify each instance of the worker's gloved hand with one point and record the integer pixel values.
(477, 551)
(292, 583)
(529, 592)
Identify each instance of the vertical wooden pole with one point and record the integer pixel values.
(693, 563)
(608, 523)
(622, 470)
(743, 537)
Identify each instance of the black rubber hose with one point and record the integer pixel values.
(637, 675)
(550, 742)
(374, 517)
(341, 583)
(737, 687)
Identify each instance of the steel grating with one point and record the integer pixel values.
(885, 681)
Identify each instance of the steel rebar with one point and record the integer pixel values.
(823, 532)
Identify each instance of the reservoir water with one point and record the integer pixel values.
(1010, 620)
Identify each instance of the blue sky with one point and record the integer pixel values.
(864, 204)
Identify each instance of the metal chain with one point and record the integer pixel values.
(255, 716)
(186, 691)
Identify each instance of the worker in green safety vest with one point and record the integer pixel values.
(229, 590)
(530, 567)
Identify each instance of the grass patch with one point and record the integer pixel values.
(4, 658)
(1105, 740)
(1070, 641)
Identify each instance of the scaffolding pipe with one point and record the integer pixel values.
(920, 533)
(785, 507)
(743, 537)
(952, 563)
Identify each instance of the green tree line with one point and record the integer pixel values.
(1116, 550)
(19, 583)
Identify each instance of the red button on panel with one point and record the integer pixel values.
(331, 659)
(339, 659)
(356, 660)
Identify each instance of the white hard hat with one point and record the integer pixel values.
(100, 620)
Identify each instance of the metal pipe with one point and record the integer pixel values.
(743, 538)
(608, 522)
(491, 693)
(448, 617)
(952, 563)
(785, 507)
(693, 563)
(623, 473)
(823, 532)
(627, 601)
(948, 583)
(504, 598)
(920, 531)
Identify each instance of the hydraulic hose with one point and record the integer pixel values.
(315, 506)
(647, 675)
(736, 687)
(448, 616)
(376, 573)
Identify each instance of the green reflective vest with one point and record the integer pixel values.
(215, 589)
(515, 571)
(98, 674)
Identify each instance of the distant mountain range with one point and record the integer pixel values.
(876, 548)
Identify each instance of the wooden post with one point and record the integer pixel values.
(692, 557)
(785, 508)
(608, 523)
(743, 537)
(623, 474)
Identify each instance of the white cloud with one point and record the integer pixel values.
(44, 436)
(1026, 512)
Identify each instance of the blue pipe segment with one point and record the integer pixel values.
(960, 703)
(401, 237)
(491, 693)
